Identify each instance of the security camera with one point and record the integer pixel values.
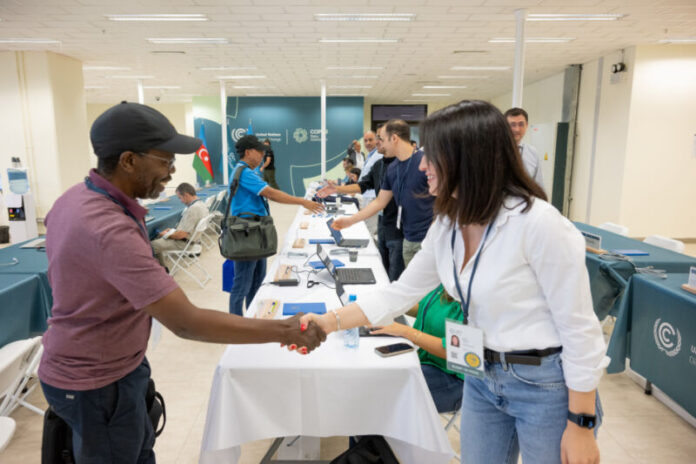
(618, 67)
(158, 98)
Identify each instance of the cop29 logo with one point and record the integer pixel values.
(300, 135)
(238, 133)
(667, 338)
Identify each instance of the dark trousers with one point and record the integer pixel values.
(269, 177)
(110, 425)
(248, 276)
(391, 252)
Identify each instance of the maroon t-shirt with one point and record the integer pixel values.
(102, 273)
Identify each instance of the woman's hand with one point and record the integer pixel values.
(578, 445)
(396, 329)
(326, 322)
(342, 222)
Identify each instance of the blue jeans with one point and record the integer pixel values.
(248, 276)
(514, 408)
(446, 389)
(391, 253)
(109, 424)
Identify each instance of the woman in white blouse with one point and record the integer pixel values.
(528, 294)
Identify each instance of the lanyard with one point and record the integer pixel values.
(91, 186)
(465, 302)
(402, 179)
(427, 306)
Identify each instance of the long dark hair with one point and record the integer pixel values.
(476, 161)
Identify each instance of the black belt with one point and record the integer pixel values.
(530, 357)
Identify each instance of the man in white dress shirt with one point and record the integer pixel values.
(518, 120)
(373, 156)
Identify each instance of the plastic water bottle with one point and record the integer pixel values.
(351, 337)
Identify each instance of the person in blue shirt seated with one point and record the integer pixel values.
(251, 197)
(428, 333)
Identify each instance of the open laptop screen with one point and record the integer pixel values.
(324, 257)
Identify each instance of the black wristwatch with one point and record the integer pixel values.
(583, 420)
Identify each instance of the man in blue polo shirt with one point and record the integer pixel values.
(406, 185)
(251, 198)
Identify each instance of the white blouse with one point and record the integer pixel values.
(531, 289)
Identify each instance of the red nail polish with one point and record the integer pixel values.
(293, 346)
(303, 350)
(303, 327)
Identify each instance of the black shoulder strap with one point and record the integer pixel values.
(234, 186)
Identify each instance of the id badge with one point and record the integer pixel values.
(464, 348)
(398, 218)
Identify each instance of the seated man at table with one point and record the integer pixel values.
(107, 287)
(175, 239)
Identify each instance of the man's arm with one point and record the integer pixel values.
(282, 197)
(344, 189)
(179, 315)
(177, 235)
(370, 210)
(266, 163)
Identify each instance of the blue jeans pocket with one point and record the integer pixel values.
(548, 375)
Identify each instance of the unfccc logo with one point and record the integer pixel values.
(238, 133)
(300, 135)
(667, 338)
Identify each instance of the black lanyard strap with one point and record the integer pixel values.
(467, 301)
(427, 306)
(101, 191)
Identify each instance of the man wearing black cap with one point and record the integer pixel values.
(107, 285)
(251, 198)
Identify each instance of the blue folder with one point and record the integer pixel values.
(319, 265)
(290, 309)
(631, 252)
(322, 241)
(162, 208)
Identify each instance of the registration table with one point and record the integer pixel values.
(25, 295)
(656, 329)
(609, 275)
(264, 391)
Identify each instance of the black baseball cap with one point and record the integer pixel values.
(249, 142)
(132, 126)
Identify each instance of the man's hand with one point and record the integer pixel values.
(326, 191)
(304, 336)
(313, 206)
(161, 234)
(342, 223)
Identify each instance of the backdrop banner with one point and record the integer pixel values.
(292, 124)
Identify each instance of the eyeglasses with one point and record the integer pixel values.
(169, 161)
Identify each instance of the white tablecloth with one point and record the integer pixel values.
(264, 391)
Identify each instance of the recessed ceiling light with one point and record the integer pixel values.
(163, 87)
(354, 67)
(444, 86)
(94, 87)
(187, 40)
(480, 68)
(463, 77)
(358, 40)
(89, 67)
(533, 40)
(240, 77)
(156, 17)
(574, 17)
(678, 41)
(168, 52)
(29, 41)
(431, 94)
(350, 86)
(225, 68)
(364, 17)
(347, 76)
(131, 77)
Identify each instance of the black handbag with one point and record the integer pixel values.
(248, 236)
(370, 449)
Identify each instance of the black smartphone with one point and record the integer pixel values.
(392, 350)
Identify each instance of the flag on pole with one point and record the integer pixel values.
(201, 162)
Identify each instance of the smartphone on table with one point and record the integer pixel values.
(393, 349)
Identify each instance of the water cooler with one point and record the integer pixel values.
(19, 201)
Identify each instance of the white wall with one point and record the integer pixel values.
(181, 116)
(659, 184)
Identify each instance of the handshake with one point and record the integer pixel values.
(303, 332)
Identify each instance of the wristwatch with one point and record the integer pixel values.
(583, 420)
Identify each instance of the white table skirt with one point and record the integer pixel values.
(263, 391)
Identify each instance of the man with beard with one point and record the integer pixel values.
(107, 286)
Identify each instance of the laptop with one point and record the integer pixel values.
(346, 242)
(346, 276)
(364, 331)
